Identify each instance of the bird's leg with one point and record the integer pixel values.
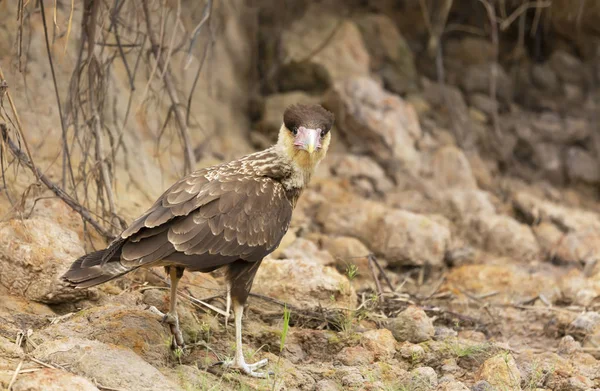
(238, 361)
(171, 317)
(228, 303)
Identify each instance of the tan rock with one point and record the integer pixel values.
(351, 216)
(109, 365)
(344, 55)
(33, 256)
(406, 238)
(466, 203)
(402, 237)
(501, 371)
(412, 325)
(391, 56)
(376, 122)
(355, 356)
(348, 251)
(451, 169)
(423, 379)
(381, 342)
(116, 325)
(304, 283)
(307, 250)
(52, 380)
(510, 283)
(569, 234)
(10, 356)
(505, 236)
(356, 167)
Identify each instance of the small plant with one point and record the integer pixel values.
(351, 271)
(284, 332)
(286, 327)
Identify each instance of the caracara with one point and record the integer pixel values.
(230, 215)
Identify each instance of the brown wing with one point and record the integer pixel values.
(209, 219)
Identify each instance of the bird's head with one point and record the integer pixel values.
(305, 134)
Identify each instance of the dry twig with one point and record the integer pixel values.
(73, 204)
(189, 157)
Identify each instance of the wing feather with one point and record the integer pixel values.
(211, 218)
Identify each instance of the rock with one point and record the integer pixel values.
(451, 169)
(10, 356)
(351, 377)
(470, 50)
(501, 372)
(52, 380)
(18, 314)
(274, 107)
(566, 234)
(34, 254)
(568, 346)
(466, 203)
(551, 127)
(548, 158)
(344, 55)
(568, 68)
(510, 282)
(355, 167)
(452, 386)
(376, 122)
(544, 370)
(586, 323)
(344, 248)
(484, 103)
(380, 342)
(422, 379)
(482, 385)
(442, 333)
(476, 79)
(304, 283)
(109, 365)
(351, 216)
(307, 250)
(402, 237)
(411, 352)
(457, 116)
(406, 238)
(327, 385)
(505, 236)
(582, 166)
(412, 325)
(355, 356)
(544, 77)
(118, 325)
(391, 56)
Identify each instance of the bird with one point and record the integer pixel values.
(229, 215)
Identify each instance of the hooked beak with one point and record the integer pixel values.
(308, 139)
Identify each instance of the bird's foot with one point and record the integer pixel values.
(177, 343)
(248, 369)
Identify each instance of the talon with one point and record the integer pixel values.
(248, 369)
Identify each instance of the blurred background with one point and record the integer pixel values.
(449, 240)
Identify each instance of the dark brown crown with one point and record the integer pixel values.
(309, 116)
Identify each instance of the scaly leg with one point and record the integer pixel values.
(238, 362)
(228, 305)
(171, 317)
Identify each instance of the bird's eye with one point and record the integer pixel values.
(323, 133)
(294, 131)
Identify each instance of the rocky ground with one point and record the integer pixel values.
(449, 241)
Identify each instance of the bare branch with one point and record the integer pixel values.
(189, 157)
(73, 204)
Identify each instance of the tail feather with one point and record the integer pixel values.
(97, 268)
